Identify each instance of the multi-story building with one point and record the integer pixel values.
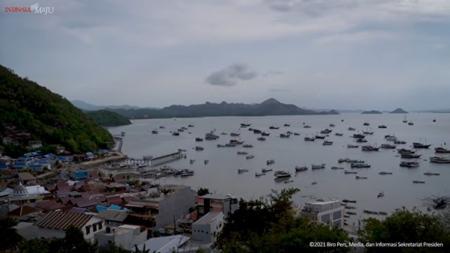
(126, 236)
(216, 203)
(206, 229)
(328, 212)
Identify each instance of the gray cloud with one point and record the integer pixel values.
(231, 74)
(273, 72)
(278, 90)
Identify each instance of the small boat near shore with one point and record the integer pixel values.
(339, 134)
(420, 145)
(247, 146)
(439, 159)
(381, 194)
(264, 170)
(154, 132)
(269, 162)
(388, 146)
(352, 146)
(369, 148)
(359, 165)
(348, 201)
(350, 172)
(318, 166)
(431, 174)
(198, 139)
(441, 150)
(382, 126)
(242, 153)
(327, 143)
(409, 164)
(259, 174)
(249, 157)
(418, 182)
(261, 139)
(282, 174)
(309, 139)
(385, 173)
(337, 168)
(358, 177)
(409, 156)
(298, 169)
(242, 170)
(198, 148)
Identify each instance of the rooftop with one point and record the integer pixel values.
(62, 220)
(163, 244)
(113, 215)
(214, 196)
(26, 176)
(209, 217)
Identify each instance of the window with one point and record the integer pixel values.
(94, 227)
(100, 225)
(88, 229)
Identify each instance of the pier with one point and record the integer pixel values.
(154, 161)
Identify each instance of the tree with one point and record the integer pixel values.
(202, 191)
(273, 226)
(74, 241)
(406, 226)
(144, 250)
(113, 248)
(8, 234)
(34, 246)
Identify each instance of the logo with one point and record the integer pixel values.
(35, 8)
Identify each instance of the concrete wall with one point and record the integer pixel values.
(177, 204)
(126, 238)
(50, 233)
(207, 232)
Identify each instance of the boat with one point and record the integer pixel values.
(343, 160)
(400, 142)
(287, 125)
(385, 173)
(154, 132)
(230, 145)
(242, 153)
(236, 142)
(259, 174)
(198, 148)
(320, 136)
(162, 127)
(434, 120)
(418, 182)
(176, 134)
(327, 143)
(390, 137)
(198, 139)
(361, 140)
(297, 134)
(284, 135)
(220, 146)
(247, 146)
(369, 148)
(326, 131)
(355, 161)
(350, 207)
(304, 168)
(274, 127)
(404, 120)
(180, 130)
(269, 162)
(358, 177)
(261, 139)
(206, 161)
(351, 129)
(406, 151)
(441, 150)
(410, 123)
(368, 133)
(409, 156)
(192, 161)
(289, 132)
(381, 194)
(289, 181)
(211, 136)
(409, 164)
(309, 139)
(332, 125)
(282, 174)
(223, 134)
(187, 173)
(420, 145)
(339, 134)
(388, 146)
(438, 159)
(306, 126)
(264, 170)
(431, 174)
(350, 172)
(318, 166)
(313, 183)
(265, 134)
(257, 131)
(359, 136)
(366, 123)
(250, 157)
(241, 170)
(244, 125)
(382, 126)
(348, 201)
(337, 168)
(190, 125)
(235, 134)
(359, 165)
(352, 146)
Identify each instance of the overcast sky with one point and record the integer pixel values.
(342, 54)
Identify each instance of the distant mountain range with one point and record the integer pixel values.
(399, 110)
(371, 112)
(90, 107)
(269, 107)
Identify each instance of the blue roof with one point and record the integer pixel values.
(89, 154)
(38, 151)
(3, 167)
(100, 208)
(34, 153)
(19, 164)
(23, 158)
(64, 159)
(35, 167)
(103, 151)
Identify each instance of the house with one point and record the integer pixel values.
(26, 178)
(166, 244)
(54, 224)
(125, 236)
(34, 144)
(171, 201)
(113, 217)
(89, 156)
(328, 212)
(79, 175)
(27, 194)
(216, 203)
(25, 213)
(208, 227)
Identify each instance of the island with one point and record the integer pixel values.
(107, 119)
(399, 111)
(371, 112)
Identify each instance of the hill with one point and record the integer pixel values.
(90, 107)
(399, 110)
(38, 114)
(371, 112)
(107, 118)
(268, 107)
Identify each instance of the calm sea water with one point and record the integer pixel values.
(220, 174)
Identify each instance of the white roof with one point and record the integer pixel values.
(163, 244)
(36, 189)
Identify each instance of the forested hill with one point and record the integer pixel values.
(46, 116)
(107, 118)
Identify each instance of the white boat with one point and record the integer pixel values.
(282, 174)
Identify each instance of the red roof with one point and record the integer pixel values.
(26, 176)
(24, 210)
(49, 205)
(62, 220)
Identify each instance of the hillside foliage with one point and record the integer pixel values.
(108, 118)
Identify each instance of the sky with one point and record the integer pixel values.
(334, 54)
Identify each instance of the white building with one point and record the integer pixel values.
(227, 204)
(208, 227)
(166, 244)
(327, 212)
(125, 236)
(54, 224)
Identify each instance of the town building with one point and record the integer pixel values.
(166, 244)
(207, 228)
(126, 236)
(216, 203)
(329, 212)
(26, 178)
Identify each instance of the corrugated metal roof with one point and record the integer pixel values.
(62, 220)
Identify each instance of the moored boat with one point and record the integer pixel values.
(352, 146)
(282, 174)
(441, 150)
(431, 174)
(284, 135)
(236, 142)
(259, 174)
(420, 145)
(327, 143)
(369, 148)
(250, 157)
(320, 136)
(198, 139)
(409, 156)
(381, 194)
(309, 139)
(409, 164)
(242, 170)
(359, 165)
(337, 168)
(247, 146)
(439, 159)
(350, 172)
(388, 146)
(264, 170)
(198, 148)
(385, 173)
(358, 177)
(382, 126)
(303, 168)
(269, 162)
(339, 134)
(154, 132)
(261, 139)
(418, 182)
(318, 166)
(242, 153)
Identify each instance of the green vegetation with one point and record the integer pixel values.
(47, 116)
(261, 227)
(9, 235)
(107, 118)
(408, 227)
(202, 191)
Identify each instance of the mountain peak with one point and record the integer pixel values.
(271, 101)
(399, 110)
